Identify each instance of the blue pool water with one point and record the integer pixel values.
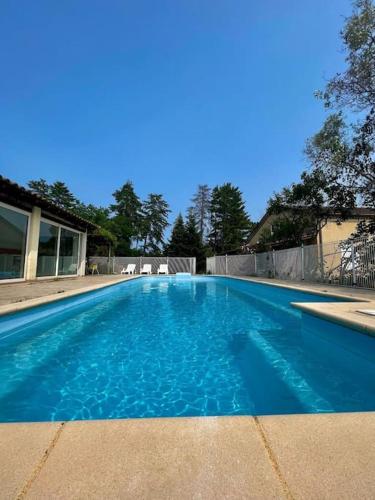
(168, 346)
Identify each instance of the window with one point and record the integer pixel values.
(68, 252)
(58, 250)
(13, 235)
(47, 250)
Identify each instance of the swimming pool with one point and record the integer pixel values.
(167, 346)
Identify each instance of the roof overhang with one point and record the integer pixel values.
(15, 195)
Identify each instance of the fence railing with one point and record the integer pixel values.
(350, 263)
(114, 265)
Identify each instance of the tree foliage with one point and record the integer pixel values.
(154, 221)
(200, 208)
(341, 155)
(230, 224)
(126, 223)
(133, 227)
(185, 240)
(355, 87)
(176, 245)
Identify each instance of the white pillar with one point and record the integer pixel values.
(33, 243)
(82, 255)
(255, 264)
(302, 262)
(354, 277)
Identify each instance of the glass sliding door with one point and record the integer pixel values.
(68, 252)
(13, 236)
(47, 250)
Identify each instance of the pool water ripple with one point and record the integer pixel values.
(156, 347)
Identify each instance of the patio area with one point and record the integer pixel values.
(12, 293)
(298, 456)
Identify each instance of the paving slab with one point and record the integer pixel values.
(19, 296)
(170, 458)
(326, 456)
(22, 448)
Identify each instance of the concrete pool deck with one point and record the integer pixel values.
(327, 456)
(295, 456)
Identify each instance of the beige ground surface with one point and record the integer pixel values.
(21, 295)
(297, 456)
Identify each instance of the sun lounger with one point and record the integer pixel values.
(163, 269)
(146, 269)
(130, 269)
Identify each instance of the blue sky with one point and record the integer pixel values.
(168, 94)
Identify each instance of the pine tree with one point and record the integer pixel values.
(193, 242)
(62, 196)
(229, 221)
(58, 193)
(176, 245)
(185, 240)
(154, 221)
(201, 210)
(126, 224)
(40, 187)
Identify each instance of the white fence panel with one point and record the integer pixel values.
(264, 262)
(211, 265)
(241, 265)
(114, 265)
(288, 264)
(349, 263)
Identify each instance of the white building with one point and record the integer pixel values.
(38, 239)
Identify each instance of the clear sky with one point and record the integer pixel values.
(168, 94)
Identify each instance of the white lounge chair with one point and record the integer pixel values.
(146, 269)
(163, 269)
(130, 269)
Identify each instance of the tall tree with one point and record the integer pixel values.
(127, 210)
(341, 155)
(127, 203)
(155, 212)
(58, 193)
(185, 240)
(300, 208)
(230, 224)
(355, 87)
(62, 196)
(193, 242)
(40, 187)
(176, 244)
(201, 210)
(344, 154)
